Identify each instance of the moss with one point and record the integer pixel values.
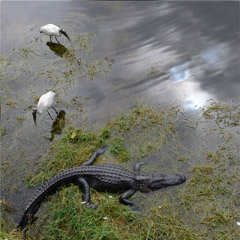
(20, 119)
(154, 71)
(117, 148)
(105, 133)
(227, 113)
(182, 159)
(4, 63)
(11, 103)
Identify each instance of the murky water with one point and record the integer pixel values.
(120, 51)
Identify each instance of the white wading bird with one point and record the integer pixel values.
(45, 102)
(53, 30)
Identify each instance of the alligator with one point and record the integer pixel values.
(102, 177)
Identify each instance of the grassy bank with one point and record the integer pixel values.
(205, 148)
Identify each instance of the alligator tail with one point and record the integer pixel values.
(48, 188)
(29, 213)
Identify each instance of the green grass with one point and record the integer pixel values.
(206, 207)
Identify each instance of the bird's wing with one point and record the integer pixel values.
(45, 102)
(51, 29)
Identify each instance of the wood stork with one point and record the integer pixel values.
(53, 30)
(45, 102)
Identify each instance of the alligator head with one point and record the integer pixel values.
(152, 182)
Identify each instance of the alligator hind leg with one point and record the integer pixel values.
(83, 185)
(137, 167)
(124, 199)
(94, 156)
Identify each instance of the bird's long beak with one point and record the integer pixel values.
(34, 113)
(65, 34)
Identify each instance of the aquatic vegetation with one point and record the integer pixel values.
(29, 66)
(205, 207)
(25, 51)
(228, 113)
(154, 71)
(4, 62)
(11, 103)
(117, 148)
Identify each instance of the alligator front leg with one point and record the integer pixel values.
(94, 156)
(137, 167)
(83, 185)
(124, 199)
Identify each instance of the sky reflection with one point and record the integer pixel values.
(180, 73)
(216, 57)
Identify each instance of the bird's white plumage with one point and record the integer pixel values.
(45, 102)
(51, 30)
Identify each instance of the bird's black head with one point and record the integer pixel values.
(64, 33)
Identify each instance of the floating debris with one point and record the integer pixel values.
(73, 135)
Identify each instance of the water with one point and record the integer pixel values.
(120, 51)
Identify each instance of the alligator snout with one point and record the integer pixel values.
(174, 179)
(161, 181)
(182, 178)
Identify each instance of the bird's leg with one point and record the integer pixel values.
(51, 39)
(49, 115)
(55, 110)
(57, 40)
